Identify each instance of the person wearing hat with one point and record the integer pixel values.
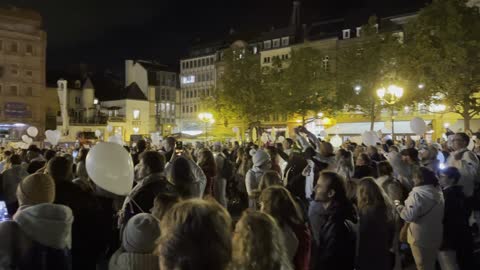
(35, 189)
(138, 244)
(39, 236)
(261, 164)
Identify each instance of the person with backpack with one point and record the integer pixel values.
(261, 164)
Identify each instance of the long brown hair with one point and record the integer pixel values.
(206, 161)
(258, 243)
(370, 195)
(279, 203)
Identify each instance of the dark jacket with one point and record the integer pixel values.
(144, 195)
(375, 240)
(455, 219)
(334, 246)
(88, 230)
(363, 171)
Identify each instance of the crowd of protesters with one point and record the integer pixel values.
(300, 204)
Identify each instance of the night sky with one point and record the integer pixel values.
(105, 32)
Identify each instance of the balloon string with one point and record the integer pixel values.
(136, 204)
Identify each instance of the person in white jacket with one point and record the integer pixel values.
(423, 210)
(465, 161)
(261, 164)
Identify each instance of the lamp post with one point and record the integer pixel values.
(206, 118)
(390, 96)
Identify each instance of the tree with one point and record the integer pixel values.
(365, 65)
(241, 94)
(443, 52)
(305, 85)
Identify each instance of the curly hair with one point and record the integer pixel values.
(258, 244)
(196, 234)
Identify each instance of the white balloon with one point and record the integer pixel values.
(27, 139)
(281, 139)
(336, 141)
(53, 136)
(109, 128)
(32, 131)
(323, 133)
(115, 139)
(264, 138)
(418, 126)
(369, 138)
(98, 133)
(110, 166)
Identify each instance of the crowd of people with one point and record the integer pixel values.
(300, 204)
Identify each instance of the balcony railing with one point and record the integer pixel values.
(116, 118)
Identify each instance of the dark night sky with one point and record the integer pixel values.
(105, 32)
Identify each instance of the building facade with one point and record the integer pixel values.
(22, 72)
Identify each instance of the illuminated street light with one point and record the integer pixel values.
(421, 86)
(357, 89)
(390, 96)
(206, 118)
(320, 114)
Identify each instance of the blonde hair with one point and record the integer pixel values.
(196, 234)
(258, 244)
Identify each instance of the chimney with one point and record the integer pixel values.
(295, 19)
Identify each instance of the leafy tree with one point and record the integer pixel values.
(241, 94)
(305, 85)
(366, 64)
(443, 52)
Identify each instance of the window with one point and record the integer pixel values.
(204, 63)
(191, 109)
(255, 50)
(195, 108)
(14, 47)
(267, 44)
(29, 49)
(346, 34)
(29, 73)
(359, 29)
(1, 89)
(13, 90)
(1, 45)
(188, 79)
(276, 43)
(195, 93)
(77, 100)
(183, 109)
(136, 114)
(285, 41)
(267, 60)
(14, 70)
(28, 92)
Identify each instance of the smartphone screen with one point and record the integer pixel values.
(179, 148)
(3, 211)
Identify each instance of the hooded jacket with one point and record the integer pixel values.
(468, 166)
(424, 211)
(45, 226)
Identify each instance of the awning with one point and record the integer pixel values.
(458, 126)
(357, 128)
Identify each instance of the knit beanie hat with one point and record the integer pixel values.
(35, 189)
(140, 234)
(260, 158)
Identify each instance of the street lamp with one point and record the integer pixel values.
(390, 96)
(206, 118)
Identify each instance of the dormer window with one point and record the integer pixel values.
(267, 44)
(346, 34)
(77, 84)
(276, 43)
(376, 27)
(285, 41)
(359, 29)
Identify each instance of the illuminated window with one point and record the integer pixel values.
(346, 34)
(359, 29)
(136, 114)
(188, 79)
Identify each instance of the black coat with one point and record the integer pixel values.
(334, 246)
(89, 225)
(455, 219)
(364, 171)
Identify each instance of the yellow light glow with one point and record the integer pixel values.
(326, 121)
